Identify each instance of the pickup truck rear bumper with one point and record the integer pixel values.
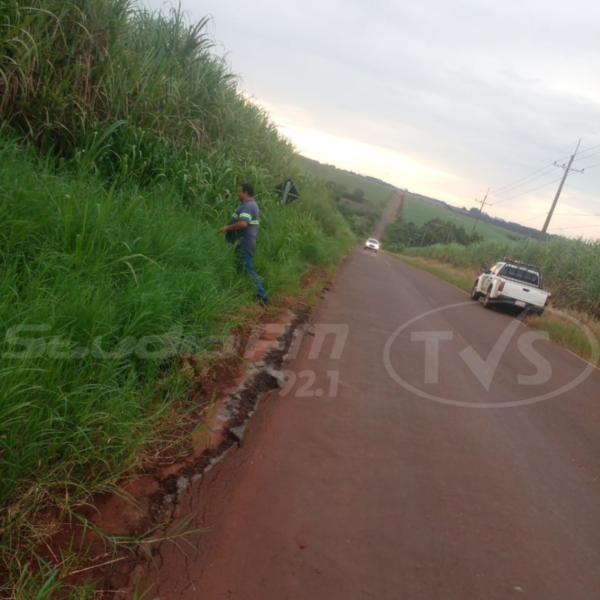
(527, 305)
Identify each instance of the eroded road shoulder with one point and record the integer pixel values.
(348, 485)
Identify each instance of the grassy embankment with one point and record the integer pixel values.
(359, 199)
(571, 271)
(377, 193)
(123, 142)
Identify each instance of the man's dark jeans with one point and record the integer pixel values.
(246, 258)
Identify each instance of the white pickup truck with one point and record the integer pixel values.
(511, 282)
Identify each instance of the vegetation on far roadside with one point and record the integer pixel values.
(560, 328)
(123, 142)
(360, 213)
(402, 234)
(361, 200)
(460, 278)
(420, 212)
(420, 209)
(376, 191)
(570, 267)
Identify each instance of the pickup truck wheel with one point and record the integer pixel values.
(475, 295)
(487, 301)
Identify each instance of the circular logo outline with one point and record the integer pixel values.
(589, 369)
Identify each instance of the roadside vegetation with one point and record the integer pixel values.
(378, 192)
(570, 269)
(123, 142)
(360, 213)
(361, 200)
(402, 234)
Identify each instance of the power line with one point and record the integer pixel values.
(510, 185)
(582, 152)
(522, 184)
(502, 187)
(575, 227)
(584, 157)
(482, 202)
(538, 174)
(577, 215)
(532, 218)
(590, 148)
(591, 167)
(562, 215)
(527, 192)
(543, 175)
(557, 196)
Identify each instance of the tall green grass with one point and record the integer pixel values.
(124, 90)
(570, 267)
(93, 276)
(123, 142)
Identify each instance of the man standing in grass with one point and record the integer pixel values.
(242, 230)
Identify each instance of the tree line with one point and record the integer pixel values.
(402, 234)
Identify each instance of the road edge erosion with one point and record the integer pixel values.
(112, 539)
(114, 192)
(146, 510)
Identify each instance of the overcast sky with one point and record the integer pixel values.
(443, 98)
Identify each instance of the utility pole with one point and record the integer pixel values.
(482, 202)
(560, 187)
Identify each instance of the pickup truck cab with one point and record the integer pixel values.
(511, 282)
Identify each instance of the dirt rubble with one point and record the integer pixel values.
(120, 534)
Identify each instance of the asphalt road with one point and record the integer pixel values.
(392, 209)
(375, 491)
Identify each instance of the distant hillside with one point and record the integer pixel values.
(523, 230)
(380, 181)
(380, 192)
(516, 228)
(420, 209)
(376, 191)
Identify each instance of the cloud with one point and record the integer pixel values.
(445, 98)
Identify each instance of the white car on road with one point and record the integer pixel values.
(372, 244)
(511, 282)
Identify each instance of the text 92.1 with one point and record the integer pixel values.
(307, 389)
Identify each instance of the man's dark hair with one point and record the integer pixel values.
(247, 189)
